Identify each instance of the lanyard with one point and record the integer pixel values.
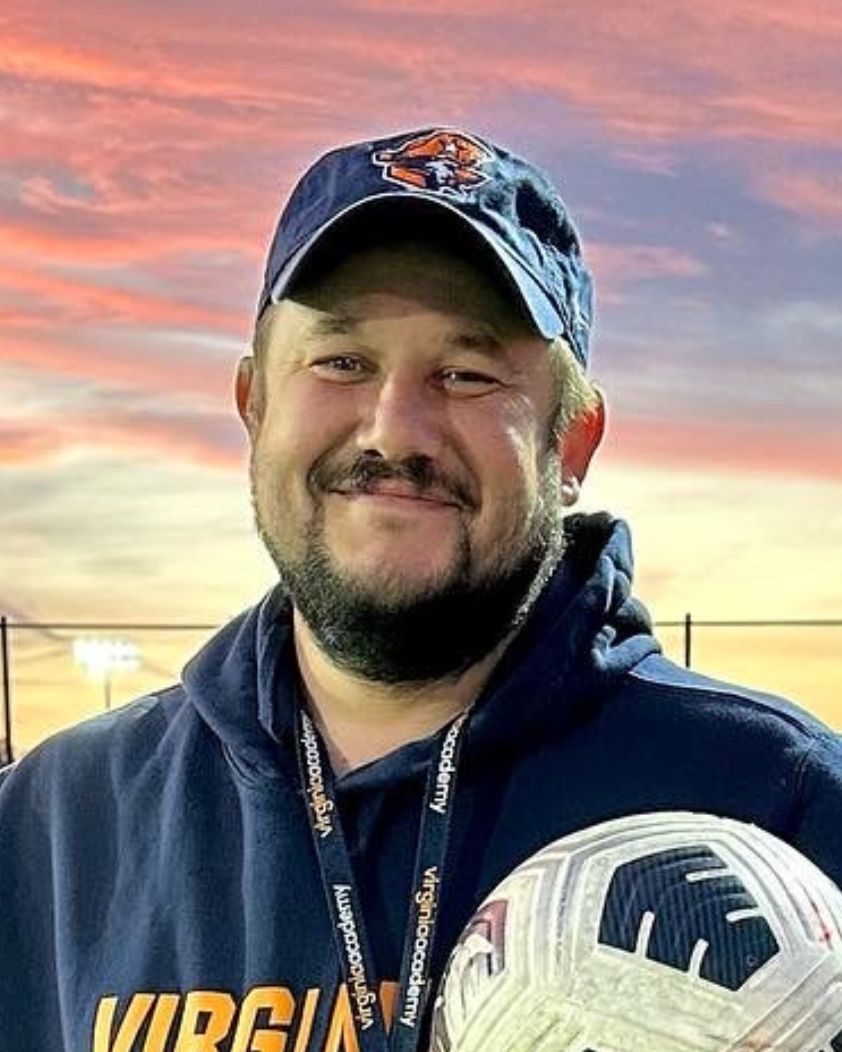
(343, 901)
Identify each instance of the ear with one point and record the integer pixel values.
(246, 393)
(576, 447)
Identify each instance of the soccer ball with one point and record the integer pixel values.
(668, 932)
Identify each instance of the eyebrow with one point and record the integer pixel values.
(481, 337)
(337, 324)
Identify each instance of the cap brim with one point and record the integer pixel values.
(529, 291)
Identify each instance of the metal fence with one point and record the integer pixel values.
(47, 645)
(78, 648)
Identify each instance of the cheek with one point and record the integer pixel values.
(508, 467)
(516, 449)
(294, 429)
(280, 460)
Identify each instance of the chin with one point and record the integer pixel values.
(419, 561)
(396, 579)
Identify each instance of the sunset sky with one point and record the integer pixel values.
(145, 150)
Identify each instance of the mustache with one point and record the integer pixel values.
(420, 471)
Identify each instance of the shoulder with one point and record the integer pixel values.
(684, 694)
(94, 758)
(763, 735)
(743, 753)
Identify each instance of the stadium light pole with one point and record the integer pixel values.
(101, 658)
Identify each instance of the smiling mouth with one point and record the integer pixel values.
(397, 496)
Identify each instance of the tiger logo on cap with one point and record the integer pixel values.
(441, 161)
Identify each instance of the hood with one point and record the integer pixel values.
(584, 634)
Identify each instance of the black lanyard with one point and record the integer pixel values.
(340, 889)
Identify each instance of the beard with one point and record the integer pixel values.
(391, 632)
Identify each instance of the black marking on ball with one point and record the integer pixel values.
(685, 912)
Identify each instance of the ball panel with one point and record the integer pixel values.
(668, 932)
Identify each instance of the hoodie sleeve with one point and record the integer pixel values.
(818, 829)
(29, 1014)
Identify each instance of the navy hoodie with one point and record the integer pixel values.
(159, 889)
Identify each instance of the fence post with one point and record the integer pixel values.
(688, 639)
(7, 690)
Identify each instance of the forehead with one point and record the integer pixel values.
(416, 275)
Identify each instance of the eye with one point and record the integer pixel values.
(344, 368)
(468, 381)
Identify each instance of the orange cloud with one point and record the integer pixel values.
(24, 444)
(111, 62)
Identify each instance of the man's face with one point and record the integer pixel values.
(402, 457)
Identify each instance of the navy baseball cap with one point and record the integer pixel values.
(509, 203)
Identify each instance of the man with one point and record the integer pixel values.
(278, 853)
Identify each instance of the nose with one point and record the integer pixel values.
(401, 419)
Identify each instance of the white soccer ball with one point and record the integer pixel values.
(667, 932)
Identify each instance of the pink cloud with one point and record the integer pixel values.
(740, 447)
(95, 242)
(215, 439)
(132, 142)
(183, 143)
(210, 440)
(155, 368)
(816, 198)
(619, 264)
(80, 302)
(682, 70)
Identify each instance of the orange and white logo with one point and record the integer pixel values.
(442, 161)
